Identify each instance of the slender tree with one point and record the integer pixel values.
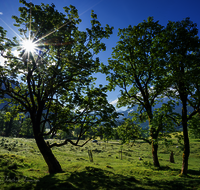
(182, 47)
(135, 67)
(51, 78)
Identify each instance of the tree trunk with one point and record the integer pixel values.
(186, 151)
(50, 159)
(186, 154)
(154, 141)
(8, 126)
(155, 154)
(171, 158)
(52, 162)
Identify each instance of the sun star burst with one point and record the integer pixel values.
(28, 45)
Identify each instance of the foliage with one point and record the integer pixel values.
(26, 129)
(70, 74)
(182, 62)
(194, 127)
(9, 122)
(129, 130)
(165, 119)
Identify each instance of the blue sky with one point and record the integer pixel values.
(116, 13)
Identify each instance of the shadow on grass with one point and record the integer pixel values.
(183, 183)
(194, 172)
(190, 181)
(190, 172)
(96, 178)
(15, 180)
(90, 178)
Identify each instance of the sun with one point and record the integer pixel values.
(28, 45)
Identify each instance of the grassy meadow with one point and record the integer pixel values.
(114, 166)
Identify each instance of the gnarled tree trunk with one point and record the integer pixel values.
(50, 159)
(52, 162)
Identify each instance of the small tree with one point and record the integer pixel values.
(52, 80)
(129, 130)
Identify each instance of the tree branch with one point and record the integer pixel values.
(65, 142)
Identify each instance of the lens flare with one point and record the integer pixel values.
(28, 46)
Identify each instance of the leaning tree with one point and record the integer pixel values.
(50, 78)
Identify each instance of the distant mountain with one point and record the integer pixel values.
(178, 109)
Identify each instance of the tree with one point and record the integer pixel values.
(183, 67)
(53, 82)
(135, 67)
(129, 130)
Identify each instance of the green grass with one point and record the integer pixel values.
(23, 167)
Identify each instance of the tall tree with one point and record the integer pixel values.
(135, 68)
(183, 67)
(51, 78)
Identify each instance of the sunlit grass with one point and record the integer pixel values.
(107, 171)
